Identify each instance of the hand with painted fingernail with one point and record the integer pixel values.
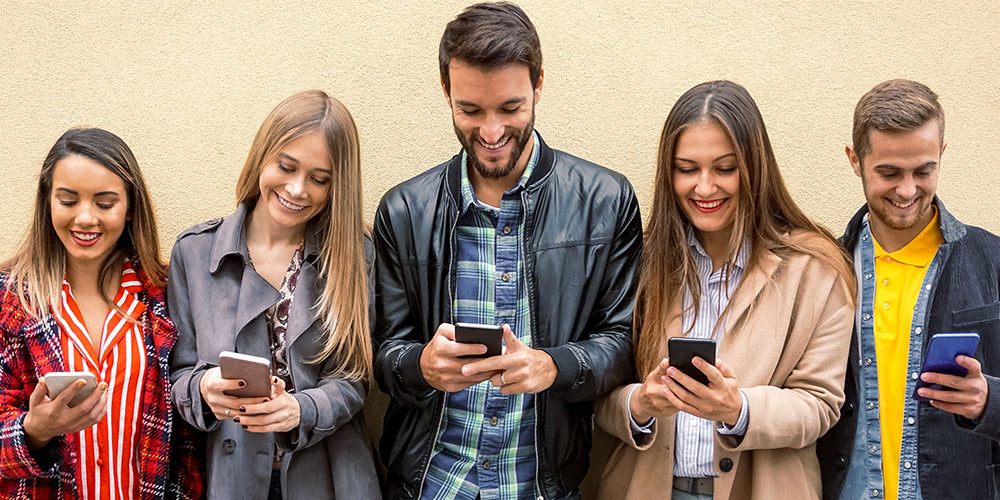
(280, 413)
(48, 418)
(213, 388)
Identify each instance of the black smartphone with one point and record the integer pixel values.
(488, 335)
(682, 350)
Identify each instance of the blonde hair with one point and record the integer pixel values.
(343, 304)
(38, 267)
(765, 212)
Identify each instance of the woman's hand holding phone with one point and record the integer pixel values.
(48, 418)
(650, 399)
(720, 400)
(280, 413)
(213, 388)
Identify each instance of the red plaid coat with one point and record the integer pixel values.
(30, 348)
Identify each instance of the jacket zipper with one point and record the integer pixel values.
(444, 399)
(534, 330)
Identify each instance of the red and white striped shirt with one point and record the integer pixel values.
(108, 452)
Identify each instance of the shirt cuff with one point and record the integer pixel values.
(636, 428)
(740, 428)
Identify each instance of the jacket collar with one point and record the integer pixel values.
(951, 229)
(542, 168)
(230, 238)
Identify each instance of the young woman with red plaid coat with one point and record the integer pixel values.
(90, 259)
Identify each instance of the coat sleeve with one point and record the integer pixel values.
(594, 366)
(186, 368)
(612, 415)
(17, 461)
(333, 402)
(397, 341)
(808, 403)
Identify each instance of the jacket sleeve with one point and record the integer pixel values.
(186, 368)
(334, 401)
(397, 343)
(808, 403)
(603, 360)
(17, 461)
(611, 413)
(988, 425)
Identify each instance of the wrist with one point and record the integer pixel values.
(635, 409)
(35, 438)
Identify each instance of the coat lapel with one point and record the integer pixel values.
(256, 295)
(302, 313)
(754, 281)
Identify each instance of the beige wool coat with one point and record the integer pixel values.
(787, 340)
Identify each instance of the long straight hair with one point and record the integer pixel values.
(343, 304)
(765, 212)
(39, 265)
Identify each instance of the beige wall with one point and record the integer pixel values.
(186, 84)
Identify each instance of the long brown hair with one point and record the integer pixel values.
(343, 305)
(39, 265)
(765, 212)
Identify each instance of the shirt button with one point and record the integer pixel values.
(505, 277)
(911, 421)
(885, 306)
(917, 330)
(865, 237)
(885, 282)
(870, 405)
(907, 465)
(493, 421)
(868, 361)
(486, 465)
(100, 462)
(506, 230)
(914, 375)
(875, 493)
(867, 317)
(873, 449)
(693, 423)
(928, 288)
(868, 276)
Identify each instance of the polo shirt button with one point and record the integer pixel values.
(885, 282)
(486, 465)
(887, 259)
(493, 421)
(885, 306)
(505, 277)
(907, 465)
(911, 421)
(914, 375)
(725, 465)
(506, 230)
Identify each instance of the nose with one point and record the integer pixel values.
(296, 187)
(492, 128)
(705, 188)
(85, 216)
(906, 188)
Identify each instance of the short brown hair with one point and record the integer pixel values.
(490, 36)
(894, 106)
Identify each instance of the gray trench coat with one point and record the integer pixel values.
(218, 303)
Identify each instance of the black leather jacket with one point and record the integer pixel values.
(957, 458)
(582, 242)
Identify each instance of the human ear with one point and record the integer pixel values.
(852, 157)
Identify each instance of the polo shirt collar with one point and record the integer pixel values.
(921, 250)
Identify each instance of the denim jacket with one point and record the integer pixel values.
(957, 457)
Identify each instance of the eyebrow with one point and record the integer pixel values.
(74, 193)
(713, 161)
(508, 102)
(296, 160)
(897, 167)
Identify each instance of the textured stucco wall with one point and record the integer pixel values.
(186, 84)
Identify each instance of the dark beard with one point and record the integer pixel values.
(520, 139)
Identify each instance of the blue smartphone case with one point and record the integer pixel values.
(940, 358)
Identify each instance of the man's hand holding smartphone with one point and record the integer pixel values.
(519, 370)
(442, 359)
(50, 417)
(968, 395)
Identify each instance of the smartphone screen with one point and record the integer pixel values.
(682, 350)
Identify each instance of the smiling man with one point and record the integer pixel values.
(919, 272)
(510, 233)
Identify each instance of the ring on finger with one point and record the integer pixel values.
(228, 410)
(502, 381)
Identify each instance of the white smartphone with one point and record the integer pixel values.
(254, 370)
(59, 381)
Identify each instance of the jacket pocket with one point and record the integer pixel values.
(982, 314)
(993, 481)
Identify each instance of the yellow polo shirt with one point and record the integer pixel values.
(898, 276)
